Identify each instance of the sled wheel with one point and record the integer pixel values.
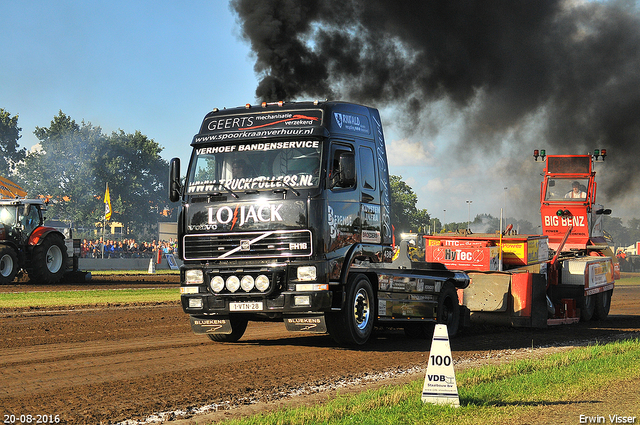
(603, 304)
(8, 264)
(354, 324)
(449, 309)
(238, 326)
(588, 307)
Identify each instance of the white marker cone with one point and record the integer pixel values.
(152, 266)
(440, 381)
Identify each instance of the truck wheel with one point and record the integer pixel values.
(47, 260)
(238, 326)
(449, 309)
(8, 264)
(354, 324)
(603, 304)
(588, 308)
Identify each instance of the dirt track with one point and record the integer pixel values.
(104, 365)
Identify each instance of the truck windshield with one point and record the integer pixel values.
(561, 189)
(251, 166)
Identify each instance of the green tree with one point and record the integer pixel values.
(137, 176)
(9, 135)
(405, 216)
(62, 168)
(619, 234)
(74, 163)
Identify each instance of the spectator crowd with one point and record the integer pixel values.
(126, 248)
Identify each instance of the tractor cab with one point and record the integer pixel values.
(19, 218)
(571, 218)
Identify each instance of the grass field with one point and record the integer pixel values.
(88, 297)
(629, 279)
(507, 393)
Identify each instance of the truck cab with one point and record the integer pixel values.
(568, 203)
(286, 215)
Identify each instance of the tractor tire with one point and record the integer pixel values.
(603, 304)
(448, 312)
(48, 260)
(8, 264)
(238, 326)
(354, 324)
(587, 308)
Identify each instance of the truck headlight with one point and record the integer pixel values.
(247, 283)
(193, 277)
(312, 287)
(217, 284)
(262, 283)
(233, 283)
(189, 289)
(195, 303)
(302, 300)
(306, 273)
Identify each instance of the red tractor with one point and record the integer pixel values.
(25, 243)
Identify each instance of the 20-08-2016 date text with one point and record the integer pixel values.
(31, 419)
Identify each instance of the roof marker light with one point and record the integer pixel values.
(539, 154)
(599, 154)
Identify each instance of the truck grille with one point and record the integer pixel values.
(270, 244)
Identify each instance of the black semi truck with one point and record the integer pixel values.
(285, 216)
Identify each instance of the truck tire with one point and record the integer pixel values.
(8, 264)
(587, 307)
(603, 304)
(238, 326)
(448, 312)
(354, 324)
(48, 260)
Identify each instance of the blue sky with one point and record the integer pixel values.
(160, 66)
(153, 66)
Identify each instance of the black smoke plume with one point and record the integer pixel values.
(570, 69)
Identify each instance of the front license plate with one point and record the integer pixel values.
(247, 306)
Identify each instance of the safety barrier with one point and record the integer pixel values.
(89, 264)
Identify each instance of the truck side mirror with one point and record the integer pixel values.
(174, 180)
(603, 211)
(347, 166)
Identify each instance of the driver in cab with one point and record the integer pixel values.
(576, 191)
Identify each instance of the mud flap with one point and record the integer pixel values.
(306, 323)
(205, 325)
